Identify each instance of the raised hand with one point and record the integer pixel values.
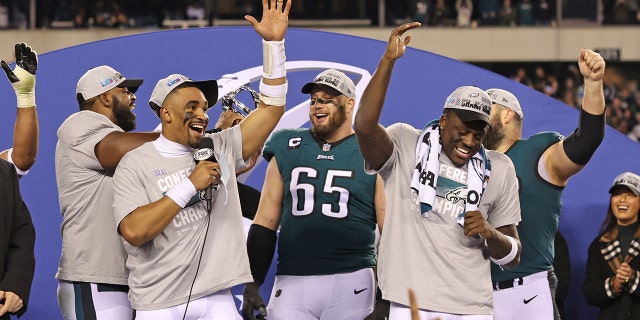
(591, 65)
(397, 45)
(23, 77)
(275, 20)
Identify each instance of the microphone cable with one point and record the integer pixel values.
(204, 241)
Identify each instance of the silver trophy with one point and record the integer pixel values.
(231, 102)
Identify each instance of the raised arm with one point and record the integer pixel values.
(569, 156)
(375, 143)
(26, 129)
(257, 126)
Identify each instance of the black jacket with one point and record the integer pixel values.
(598, 284)
(17, 238)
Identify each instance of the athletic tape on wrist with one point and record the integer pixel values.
(26, 100)
(512, 255)
(273, 58)
(274, 95)
(182, 192)
(25, 88)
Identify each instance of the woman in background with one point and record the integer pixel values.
(612, 277)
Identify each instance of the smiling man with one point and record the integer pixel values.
(185, 253)
(92, 275)
(326, 206)
(451, 205)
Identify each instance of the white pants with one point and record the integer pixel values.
(218, 306)
(402, 312)
(343, 296)
(83, 300)
(530, 300)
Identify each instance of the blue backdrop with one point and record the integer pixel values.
(416, 95)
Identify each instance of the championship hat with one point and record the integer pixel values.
(629, 180)
(164, 86)
(101, 79)
(470, 104)
(334, 79)
(507, 99)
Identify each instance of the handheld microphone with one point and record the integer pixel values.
(205, 152)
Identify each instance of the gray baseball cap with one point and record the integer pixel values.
(629, 180)
(164, 86)
(470, 104)
(507, 99)
(101, 79)
(334, 79)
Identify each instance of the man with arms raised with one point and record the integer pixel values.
(451, 205)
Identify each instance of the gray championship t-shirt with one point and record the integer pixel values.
(163, 269)
(91, 250)
(448, 271)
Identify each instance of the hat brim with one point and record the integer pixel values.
(307, 88)
(210, 90)
(632, 188)
(468, 116)
(131, 84)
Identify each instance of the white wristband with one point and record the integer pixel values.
(274, 95)
(274, 91)
(10, 159)
(182, 192)
(508, 258)
(273, 59)
(274, 101)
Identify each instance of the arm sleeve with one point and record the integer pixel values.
(562, 267)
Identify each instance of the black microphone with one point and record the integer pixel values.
(205, 152)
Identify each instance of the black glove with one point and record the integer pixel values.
(252, 303)
(381, 308)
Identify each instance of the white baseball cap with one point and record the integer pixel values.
(507, 99)
(629, 180)
(470, 104)
(101, 79)
(164, 86)
(334, 79)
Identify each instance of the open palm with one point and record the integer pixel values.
(274, 22)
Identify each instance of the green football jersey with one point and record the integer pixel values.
(540, 204)
(328, 215)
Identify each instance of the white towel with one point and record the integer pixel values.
(425, 174)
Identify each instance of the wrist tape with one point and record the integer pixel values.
(273, 59)
(274, 95)
(25, 88)
(509, 257)
(182, 192)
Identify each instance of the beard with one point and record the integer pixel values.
(336, 120)
(494, 136)
(126, 119)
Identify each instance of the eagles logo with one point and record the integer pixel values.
(456, 195)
